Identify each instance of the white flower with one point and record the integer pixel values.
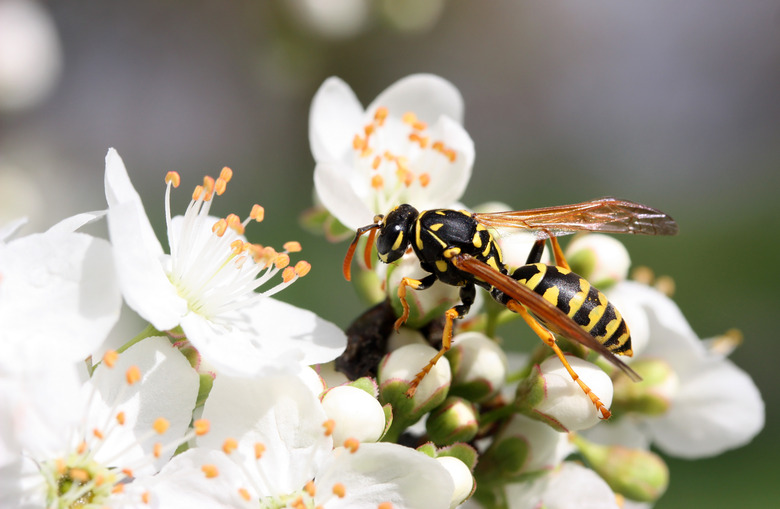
(207, 284)
(408, 146)
(716, 406)
(570, 486)
(279, 444)
(356, 414)
(58, 294)
(77, 442)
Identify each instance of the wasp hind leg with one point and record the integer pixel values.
(549, 339)
(535, 256)
(467, 295)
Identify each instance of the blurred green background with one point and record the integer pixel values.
(672, 104)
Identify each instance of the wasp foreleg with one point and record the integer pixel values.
(414, 284)
(467, 295)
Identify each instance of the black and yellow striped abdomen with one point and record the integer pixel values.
(582, 302)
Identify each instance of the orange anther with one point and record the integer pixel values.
(302, 268)
(409, 118)
(226, 174)
(377, 182)
(244, 493)
(352, 444)
(438, 145)
(197, 193)
(146, 497)
(157, 450)
(238, 246)
(208, 184)
(99, 480)
(357, 142)
(128, 472)
(339, 490)
(310, 488)
(110, 358)
(419, 125)
(329, 425)
(81, 447)
(97, 433)
(211, 471)
(173, 178)
(219, 186)
(288, 274)
(292, 246)
(425, 179)
(219, 228)
(229, 445)
(201, 426)
(117, 489)
(259, 450)
(369, 130)
(380, 114)
(132, 375)
(258, 213)
(385, 505)
(120, 418)
(79, 474)
(161, 425)
(376, 162)
(451, 154)
(282, 260)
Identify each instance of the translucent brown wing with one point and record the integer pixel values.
(608, 215)
(540, 307)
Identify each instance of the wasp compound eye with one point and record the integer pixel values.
(394, 235)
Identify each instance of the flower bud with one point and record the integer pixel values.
(424, 306)
(396, 372)
(550, 395)
(653, 394)
(525, 446)
(599, 258)
(461, 478)
(635, 473)
(516, 247)
(453, 421)
(356, 413)
(479, 366)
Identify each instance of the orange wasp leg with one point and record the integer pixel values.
(549, 340)
(560, 260)
(446, 343)
(415, 284)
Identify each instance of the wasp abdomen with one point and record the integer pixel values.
(582, 302)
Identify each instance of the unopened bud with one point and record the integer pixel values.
(599, 258)
(637, 474)
(453, 421)
(479, 366)
(396, 372)
(525, 446)
(549, 394)
(461, 478)
(356, 413)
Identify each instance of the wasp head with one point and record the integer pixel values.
(394, 233)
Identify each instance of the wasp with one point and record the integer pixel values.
(457, 248)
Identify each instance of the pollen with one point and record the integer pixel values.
(146, 497)
(161, 425)
(292, 246)
(259, 450)
(329, 425)
(377, 182)
(117, 489)
(201, 426)
(352, 444)
(244, 493)
(310, 488)
(339, 490)
(226, 174)
(110, 358)
(238, 246)
(219, 228)
(377, 161)
(302, 268)
(425, 179)
(173, 178)
(288, 274)
(128, 472)
(385, 505)
(409, 118)
(97, 433)
(380, 114)
(235, 224)
(219, 186)
(81, 447)
(157, 449)
(210, 471)
(79, 474)
(282, 260)
(120, 418)
(132, 375)
(229, 445)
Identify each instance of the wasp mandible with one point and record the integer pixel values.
(456, 247)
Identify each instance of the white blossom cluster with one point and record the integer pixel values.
(229, 397)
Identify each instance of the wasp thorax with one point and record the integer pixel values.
(394, 238)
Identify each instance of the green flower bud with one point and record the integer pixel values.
(479, 366)
(635, 473)
(599, 258)
(454, 421)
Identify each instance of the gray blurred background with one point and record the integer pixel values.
(673, 104)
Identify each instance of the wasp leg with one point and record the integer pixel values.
(415, 284)
(467, 295)
(535, 256)
(560, 260)
(549, 339)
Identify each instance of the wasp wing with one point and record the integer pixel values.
(608, 215)
(540, 307)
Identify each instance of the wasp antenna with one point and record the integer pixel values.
(347, 267)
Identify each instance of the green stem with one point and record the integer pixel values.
(149, 331)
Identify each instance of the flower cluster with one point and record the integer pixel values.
(230, 398)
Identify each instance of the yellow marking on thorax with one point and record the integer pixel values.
(441, 265)
(477, 240)
(493, 263)
(436, 227)
(451, 252)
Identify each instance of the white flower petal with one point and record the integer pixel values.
(168, 388)
(281, 413)
(570, 487)
(447, 188)
(336, 192)
(137, 252)
(73, 223)
(7, 230)
(427, 95)
(335, 116)
(718, 408)
(384, 472)
(58, 295)
(182, 483)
